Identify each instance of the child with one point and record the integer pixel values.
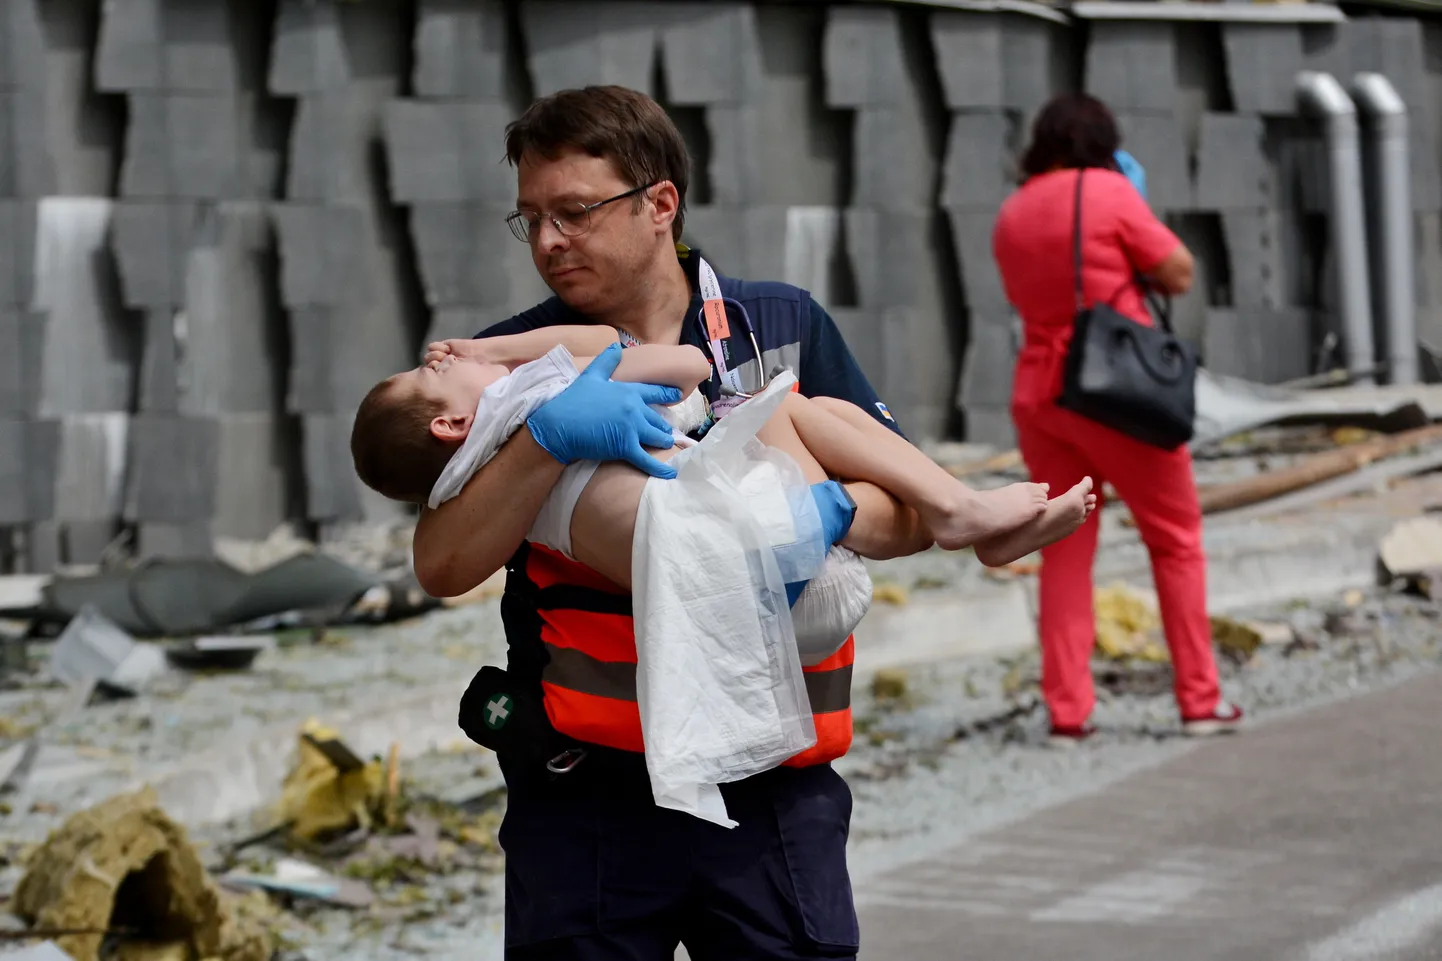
(409, 427)
(719, 683)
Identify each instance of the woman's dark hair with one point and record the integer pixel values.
(1072, 130)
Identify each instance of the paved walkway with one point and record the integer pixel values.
(1315, 838)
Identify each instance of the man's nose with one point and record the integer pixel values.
(549, 237)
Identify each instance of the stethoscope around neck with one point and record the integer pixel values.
(726, 389)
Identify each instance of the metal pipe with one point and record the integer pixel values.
(1384, 118)
(1321, 94)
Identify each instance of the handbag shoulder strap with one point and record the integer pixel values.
(1163, 311)
(1076, 243)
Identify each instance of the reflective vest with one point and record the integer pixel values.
(589, 679)
(585, 650)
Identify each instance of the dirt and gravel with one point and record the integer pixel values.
(942, 751)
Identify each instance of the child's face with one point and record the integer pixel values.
(455, 385)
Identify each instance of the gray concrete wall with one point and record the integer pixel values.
(221, 222)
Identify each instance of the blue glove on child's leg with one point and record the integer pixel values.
(597, 418)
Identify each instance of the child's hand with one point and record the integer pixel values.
(462, 348)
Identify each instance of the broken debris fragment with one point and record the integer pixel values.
(300, 879)
(91, 649)
(125, 864)
(330, 790)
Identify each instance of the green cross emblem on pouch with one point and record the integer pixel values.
(498, 709)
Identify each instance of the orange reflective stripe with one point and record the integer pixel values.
(833, 740)
(595, 720)
(546, 567)
(606, 637)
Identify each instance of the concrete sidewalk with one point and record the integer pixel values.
(1313, 838)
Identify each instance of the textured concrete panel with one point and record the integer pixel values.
(1261, 344)
(462, 49)
(466, 254)
(896, 256)
(745, 242)
(17, 251)
(320, 251)
(1232, 168)
(91, 466)
(25, 169)
(571, 43)
(895, 160)
(22, 44)
(970, 58)
(1160, 145)
(14, 490)
(327, 46)
(1263, 60)
(84, 323)
(313, 333)
(986, 369)
(256, 474)
(160, 363)
(979, 170)
(1254, 257)
(1132, 65)
(991, 425)
(981, 281)
(861, 329)
(711, 53)
(172, 473)
(21, 351)
(332, 491)
(233, 330)
(199, 147)
(920, 374)
(863, 58)
(149, 242)
(128, 51)
(448, 151)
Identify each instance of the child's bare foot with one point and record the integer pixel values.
(1064, 514)
(977, 515)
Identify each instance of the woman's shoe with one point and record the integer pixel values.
(1224, 719)
(1071, 736)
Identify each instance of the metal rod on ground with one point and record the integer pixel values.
(1312, 470)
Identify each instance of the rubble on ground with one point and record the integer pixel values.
(124, 870)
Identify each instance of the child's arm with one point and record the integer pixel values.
(513, 350)
(682, 366)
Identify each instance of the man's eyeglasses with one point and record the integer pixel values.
(571, 219)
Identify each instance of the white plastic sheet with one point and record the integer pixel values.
(719, 681)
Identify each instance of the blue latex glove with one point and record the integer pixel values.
(1133, 171)
(597, 418)
(837, 510)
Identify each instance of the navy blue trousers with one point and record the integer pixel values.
(599, 873)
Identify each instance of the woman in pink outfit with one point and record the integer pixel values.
(1032, 243)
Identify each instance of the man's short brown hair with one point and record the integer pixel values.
(621, 125)
(391, 443)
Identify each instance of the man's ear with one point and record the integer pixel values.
(665, 203)
(451, 428)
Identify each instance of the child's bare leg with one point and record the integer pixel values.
(848, 443)
(1063, 515)
(883, 526)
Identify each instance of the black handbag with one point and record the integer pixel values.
(1135, 379)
